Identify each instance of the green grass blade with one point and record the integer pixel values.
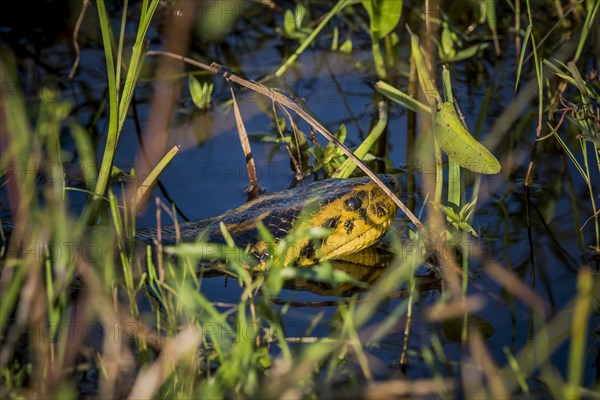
(85, 150)
(582, 311)
(587, 27)
(120, 46)
(112, 136)
(144, 188)
(570, 154)
(11, 294)
(522, 56)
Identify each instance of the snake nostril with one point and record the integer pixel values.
(392, 183)
(353, 203)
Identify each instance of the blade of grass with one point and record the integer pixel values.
(11, 293)
(118, 107)
(582, 311)
(522, 56)
(570, 154)
(136, 62)
(549, 337)
(149, 380)
(148, 182)
(87, 163)
(113, 102)
(513, 113)
(354, 340)
(519, 376)
(538, 72)
(587, 27)
(120, 47)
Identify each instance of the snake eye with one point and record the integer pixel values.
(353, 203)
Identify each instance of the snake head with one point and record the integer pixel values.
(357, 211)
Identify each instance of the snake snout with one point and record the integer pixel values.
(391, 182)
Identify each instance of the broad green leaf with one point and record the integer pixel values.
(384, 16)
(458, 143)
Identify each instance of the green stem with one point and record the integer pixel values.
(465, 285)
(111, 141)
(453, 182)
(453, 167)
(120, 49)
(538, 72)
(582, 310)
(338, 7)
(439, 173)
(135, 65)
(587, 27)
(348, 166)
(588, 181)
(118, 107)
(378, 59)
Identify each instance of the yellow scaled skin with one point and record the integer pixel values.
(356, 212)
(356, 229)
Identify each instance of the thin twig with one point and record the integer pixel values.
(409, 313)
(84, 7)
(297, 163)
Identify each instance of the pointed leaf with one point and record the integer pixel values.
(384, 16)
(520, 66)
(458, 143)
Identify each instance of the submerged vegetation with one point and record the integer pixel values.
(486, 286)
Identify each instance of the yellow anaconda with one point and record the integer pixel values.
(356, 211)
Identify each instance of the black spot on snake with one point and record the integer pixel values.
(332, 223)
(349, 226)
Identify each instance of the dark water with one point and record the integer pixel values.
(208, 176)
